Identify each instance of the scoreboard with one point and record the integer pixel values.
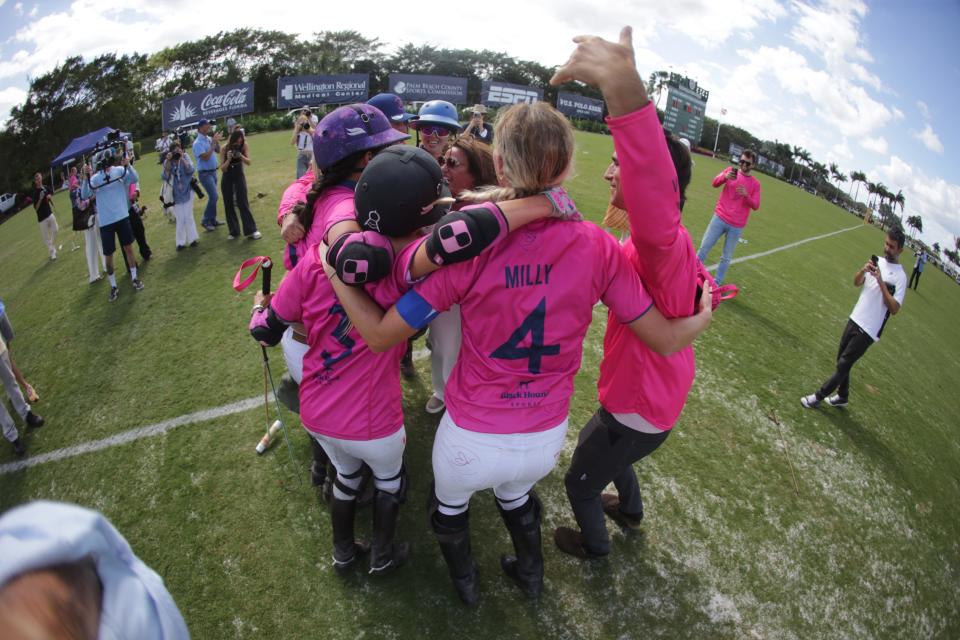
(686, 103)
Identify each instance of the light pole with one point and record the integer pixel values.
(716, 140)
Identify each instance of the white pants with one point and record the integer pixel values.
(384, 456)
(94, 251)
(445, 338)
(48, 231)
(186, 225)
(293, 353)
(16, 398)
(468, 461)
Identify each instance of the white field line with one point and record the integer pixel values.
(245, 405)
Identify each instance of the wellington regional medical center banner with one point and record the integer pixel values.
(208, 104)
(300, 91)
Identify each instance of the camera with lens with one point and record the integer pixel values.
(176, 155)
(107, 153)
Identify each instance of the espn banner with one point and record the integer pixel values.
(421, 88)
(208, 104)
(301, 91)
(577, 106)
(496, 94)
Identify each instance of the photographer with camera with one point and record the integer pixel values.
(178, 173)
(43, 205)
(110, 183)
(234, 186)
(482, 131)
(206, 148)
(303, 140)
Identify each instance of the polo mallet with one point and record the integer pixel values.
(265, 264)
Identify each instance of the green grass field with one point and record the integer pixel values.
(764, 520)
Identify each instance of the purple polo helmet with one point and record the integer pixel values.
(347, 130)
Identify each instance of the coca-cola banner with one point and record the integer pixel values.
(300, 91)
(577, 106)
(208, 104)
(421, 88)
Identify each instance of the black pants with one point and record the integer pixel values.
(233, 186)
(915, 279)
(606, 452)
(853, 344)
(140, 235)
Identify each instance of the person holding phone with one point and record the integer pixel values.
(303, 140)
(477, 128)
(740, 196)
(884, 285)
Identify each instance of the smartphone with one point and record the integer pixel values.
(734, 173)
(875, 260)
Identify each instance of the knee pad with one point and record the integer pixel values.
(360, 258)
(463, 235)
(396, 485)
(443, 523)
(345, 486)
(521, 504)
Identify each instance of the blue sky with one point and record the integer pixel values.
(869, 85)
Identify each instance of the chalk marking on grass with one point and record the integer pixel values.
(754, 256)
(250, 403)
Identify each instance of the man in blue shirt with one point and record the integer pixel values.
(110, 185)
(206, 150)
(922, 258)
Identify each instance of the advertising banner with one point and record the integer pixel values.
(300, 91)
(419, 88)
(496, 94)
(577, 106)
(209, 104)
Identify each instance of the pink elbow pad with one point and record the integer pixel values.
(361, 257)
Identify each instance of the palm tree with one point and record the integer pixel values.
(872, 190)
(916, 223)
(795, 155)
(900, 200)
(834, 170)
(658, 82)
(858, 177)
(804, 157)
(936, 248)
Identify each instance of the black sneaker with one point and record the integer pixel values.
(114, 294)
(18, 448)
(137, 284)
(837, 401)
(33, 420)
(194, 243)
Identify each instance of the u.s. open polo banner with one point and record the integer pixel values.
(299, 91)
(494, 93)
(577, 106)
(219, 102)
(420, 88)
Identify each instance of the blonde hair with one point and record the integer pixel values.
(535, 144)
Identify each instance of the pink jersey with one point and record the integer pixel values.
(335, 203)
(526, 305)
(634, 378)
(733, 208)
(347, 391)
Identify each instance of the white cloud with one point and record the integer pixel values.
(33, 12)
(897, 114)
(9, 98)
(933, 199)
(877, 145)
(929, 139)
(18, 8)
(832, 31)
(924, 109)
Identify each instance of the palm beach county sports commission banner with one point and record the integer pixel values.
(574, 106)
(417, 88)
(299, 91)
(494, 93)
(208, 104)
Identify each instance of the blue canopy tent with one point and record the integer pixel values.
(79, 147)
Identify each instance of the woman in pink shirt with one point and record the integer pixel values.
(526, 305)
(641, 392)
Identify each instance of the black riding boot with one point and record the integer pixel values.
(526, 567)
(346, 549)
(455, 546)
(386, 555)
(318, 468)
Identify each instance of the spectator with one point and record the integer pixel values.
(922, 259)
(85, 221)
(137, 214)
(740, 195)
(73, 182)
(482, 131)
(177, 172)
(16, 399)
(235, 154)
(66, 572)
(6, 332)
(435, 125)
(303, 140)
(43, 205)
(111, 183)
(205, 149)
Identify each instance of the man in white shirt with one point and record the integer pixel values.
(884, 285)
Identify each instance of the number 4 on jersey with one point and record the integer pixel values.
(532, 324)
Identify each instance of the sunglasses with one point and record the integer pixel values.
(453, 163)
(746, 163)
(440, 132)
